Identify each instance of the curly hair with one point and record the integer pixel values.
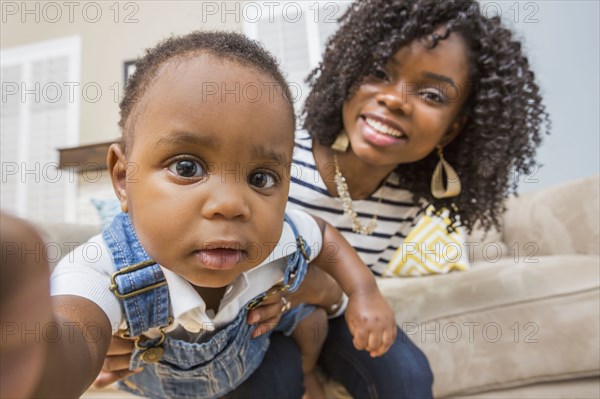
(230, 46)
(505, 115)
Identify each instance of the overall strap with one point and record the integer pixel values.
(138, 281)
(297, 263)
(295, 270)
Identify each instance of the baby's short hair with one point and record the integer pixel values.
(230, 46)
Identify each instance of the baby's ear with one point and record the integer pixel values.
(117, 166)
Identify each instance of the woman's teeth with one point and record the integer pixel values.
(384, 129)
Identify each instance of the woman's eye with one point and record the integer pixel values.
(380, 74)
(262, 180)
(187, 168)
(433, 96)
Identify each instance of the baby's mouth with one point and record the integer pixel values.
(220, 258)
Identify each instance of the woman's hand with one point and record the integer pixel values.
(317, 288)
(116, 364)
(371, 322)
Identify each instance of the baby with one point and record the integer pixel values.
(202, 175)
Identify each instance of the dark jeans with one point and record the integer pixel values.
(403, 372)
(278, 376)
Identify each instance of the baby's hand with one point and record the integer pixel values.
(371, 322)
(24, 303)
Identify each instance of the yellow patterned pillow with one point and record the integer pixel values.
(429, 248)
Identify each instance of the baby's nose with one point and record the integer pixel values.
(226, 199)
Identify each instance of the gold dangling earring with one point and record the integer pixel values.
(452, 181)
(342, 142)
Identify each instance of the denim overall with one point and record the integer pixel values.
(173, 368)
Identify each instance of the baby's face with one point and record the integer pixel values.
(208, 171)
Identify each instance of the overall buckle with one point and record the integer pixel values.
(129, 269)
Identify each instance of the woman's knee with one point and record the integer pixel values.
(412, 366)
(402, 372)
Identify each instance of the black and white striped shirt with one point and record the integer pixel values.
(396, 211)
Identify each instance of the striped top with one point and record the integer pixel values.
(396, 211)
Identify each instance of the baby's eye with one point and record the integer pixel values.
(187, 168)
(262, 180)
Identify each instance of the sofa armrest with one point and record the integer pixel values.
(563, 219)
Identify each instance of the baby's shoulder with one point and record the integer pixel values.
(93, 254)
(301, 221)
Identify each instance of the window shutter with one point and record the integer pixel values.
(39, 118)
(297, 42)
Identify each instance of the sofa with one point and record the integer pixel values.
(523, 322)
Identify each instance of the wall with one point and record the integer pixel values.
(111, 33)
(562, 40)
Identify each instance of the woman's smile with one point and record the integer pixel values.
(380, 133)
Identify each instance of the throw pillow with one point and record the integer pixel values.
(107, 209)
(429, 248)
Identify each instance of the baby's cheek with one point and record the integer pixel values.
(259, 251)
(267, 241)
(255, 253)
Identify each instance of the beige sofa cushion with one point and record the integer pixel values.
(563, 219)
(486, 245)
(504, 324)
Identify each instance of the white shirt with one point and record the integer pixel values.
(86, 272)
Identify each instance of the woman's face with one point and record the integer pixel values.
(401, 112)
